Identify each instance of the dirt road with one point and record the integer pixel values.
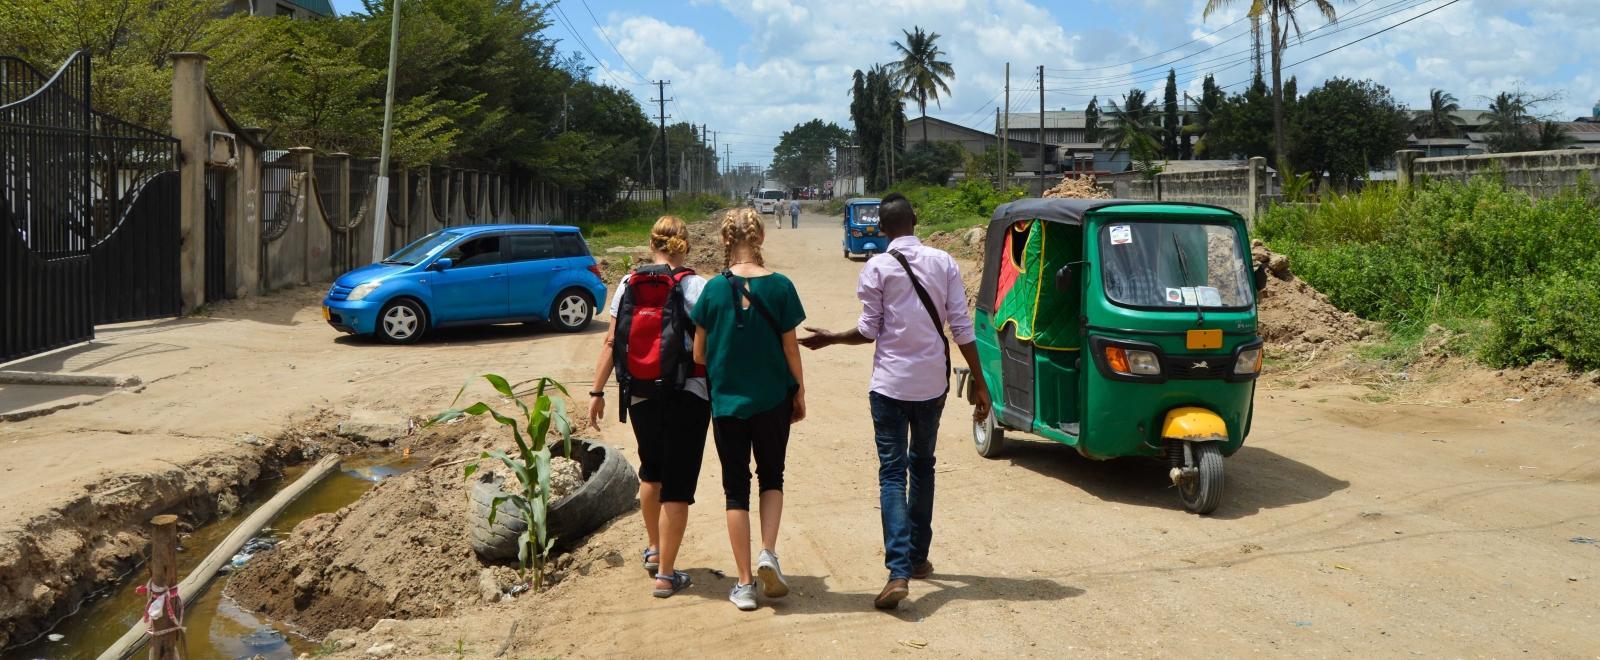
(1348, 528)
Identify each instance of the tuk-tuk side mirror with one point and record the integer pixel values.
(1064, 277)
(1260, 277)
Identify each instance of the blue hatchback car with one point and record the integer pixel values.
(472, 275)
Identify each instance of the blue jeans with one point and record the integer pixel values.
(907, 511)
(794, 221)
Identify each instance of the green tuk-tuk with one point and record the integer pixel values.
(1121, 328)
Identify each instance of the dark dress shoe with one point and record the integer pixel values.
(893, 592)
(922, 570)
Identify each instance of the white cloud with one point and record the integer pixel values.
(790, 61)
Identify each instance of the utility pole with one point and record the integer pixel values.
(1000, 144)
(380, 227)
(661, 115)
(1005, 136)
(1255, 40)
(1041, 130)
(700, 156)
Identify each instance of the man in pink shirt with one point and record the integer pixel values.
(907, 297)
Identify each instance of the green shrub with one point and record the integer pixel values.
(1448, 251)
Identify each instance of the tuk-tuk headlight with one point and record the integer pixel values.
(1132, 362)
(855, 233)
(1248, 362)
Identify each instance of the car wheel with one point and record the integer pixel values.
(571, 311)
(402, 321)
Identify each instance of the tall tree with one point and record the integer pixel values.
(1346, 128)
(1211, 98)
(1440, 119)
(1511, 122)
(920, 72)
(804, 155)
(1091, 120)
(1133, 126)
(1241, 125)
(1170, 121)
(877, 111)
(1281, 18)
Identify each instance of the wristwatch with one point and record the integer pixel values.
(598, 393)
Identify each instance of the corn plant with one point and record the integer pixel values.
(530, 428)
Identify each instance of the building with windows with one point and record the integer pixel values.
(300, 9)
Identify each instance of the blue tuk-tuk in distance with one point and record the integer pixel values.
(861, 233)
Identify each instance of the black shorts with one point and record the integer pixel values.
(765, 435)
(671, 430)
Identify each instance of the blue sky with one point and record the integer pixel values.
(751, 69)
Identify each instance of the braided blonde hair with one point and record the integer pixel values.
(742, 227)
(670, 236)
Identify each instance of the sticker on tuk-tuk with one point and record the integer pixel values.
(1188, 295)
(1121, 235)
(1174, 296)
(1209, 296)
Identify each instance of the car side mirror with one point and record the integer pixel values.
(1260, 276)
(441, 264)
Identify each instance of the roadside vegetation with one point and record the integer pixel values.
(969, 203)
(628, 223)
(1511, 278)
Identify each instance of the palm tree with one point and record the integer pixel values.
(1440, 119)
(1133, 125)
(920, 72)
(1280, 18)
(1507, 121)
(1554, 135)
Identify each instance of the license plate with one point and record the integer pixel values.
(1198, 340)
(326, 314)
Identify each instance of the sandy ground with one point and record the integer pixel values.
(1348, 528)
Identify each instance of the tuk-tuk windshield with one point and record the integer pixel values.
(1177, 265)
(866, 215)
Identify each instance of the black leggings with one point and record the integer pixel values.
(765, 434)
(671, 430)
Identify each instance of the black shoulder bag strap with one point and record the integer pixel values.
(933, 314)
(755, 303)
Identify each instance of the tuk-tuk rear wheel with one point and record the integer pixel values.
(1202, 492)
(988, 437)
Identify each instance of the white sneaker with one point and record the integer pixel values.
(743, 596)
(772, 583)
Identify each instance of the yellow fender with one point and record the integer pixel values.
(1194, 425)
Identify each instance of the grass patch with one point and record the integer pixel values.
(630, 222)
(1504, 277)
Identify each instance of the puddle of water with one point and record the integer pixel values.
(217, 628)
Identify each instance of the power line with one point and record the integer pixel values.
(1169, 50)
(607, 37)
(606, 70)
(1352, 43)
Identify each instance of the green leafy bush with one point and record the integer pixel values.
(1456, 251)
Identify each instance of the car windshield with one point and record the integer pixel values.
(421, 248)
(772, 194)
(1166, 264)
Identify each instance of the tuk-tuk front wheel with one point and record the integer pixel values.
(988, 437)
(1198, 475)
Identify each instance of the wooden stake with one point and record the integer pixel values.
(164, 574)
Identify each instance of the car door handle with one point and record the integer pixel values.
(558, 268)
(494, 275)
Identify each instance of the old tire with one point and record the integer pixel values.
(572, 310)
(402, 321)
(988, 437)
(1203, 493)
(609, 489)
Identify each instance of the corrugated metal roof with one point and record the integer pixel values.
(323, 7)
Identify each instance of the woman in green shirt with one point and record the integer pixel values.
(745, 321)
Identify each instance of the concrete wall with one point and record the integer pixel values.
(1238, 188)
(1538, 173)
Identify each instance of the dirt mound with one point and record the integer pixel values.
(399, 552)
(1296, 318)
(1083, 188)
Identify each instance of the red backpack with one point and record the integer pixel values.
(651, 347)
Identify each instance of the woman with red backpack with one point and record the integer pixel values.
(650, 347)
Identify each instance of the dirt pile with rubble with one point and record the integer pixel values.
(1294, 317)
(402, 551)
(1081, 188)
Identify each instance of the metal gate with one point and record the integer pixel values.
(216, 235)
(88, 213)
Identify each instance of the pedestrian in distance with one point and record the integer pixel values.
(650, 345)
(908, 295)
(794, 214)
(745, 336)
